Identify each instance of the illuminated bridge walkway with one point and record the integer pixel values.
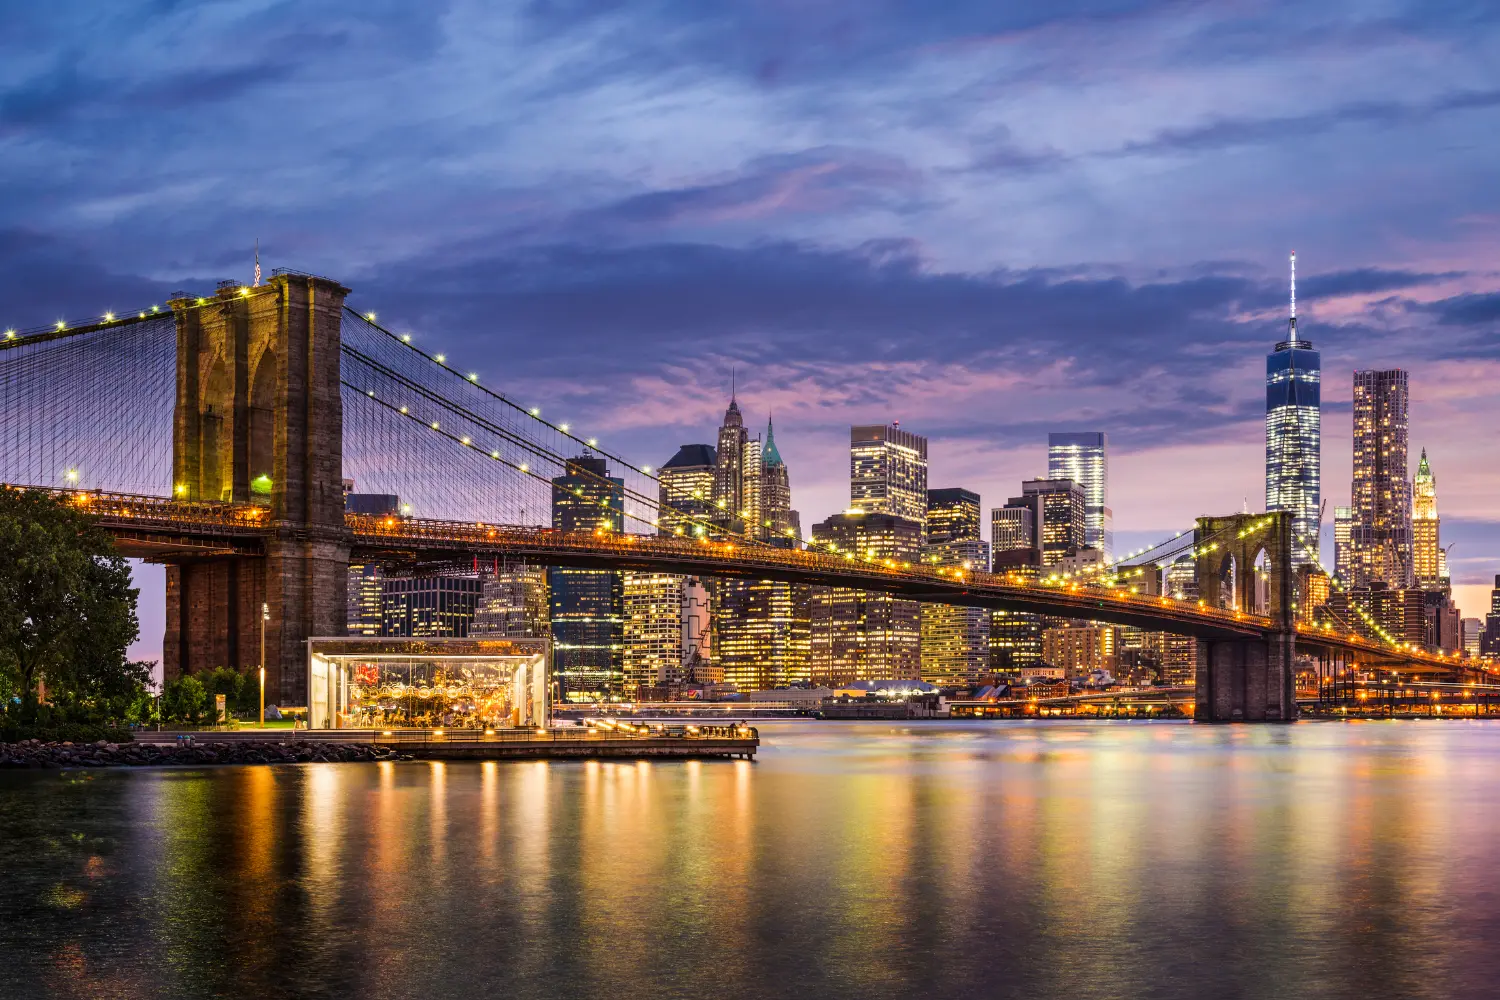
(214, 433)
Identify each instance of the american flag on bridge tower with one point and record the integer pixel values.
(257, 263)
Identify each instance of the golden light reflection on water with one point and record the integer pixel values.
(1037, 860)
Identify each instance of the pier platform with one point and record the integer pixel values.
(602, 740)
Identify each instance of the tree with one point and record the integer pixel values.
(183, 700)
(226, 681)
(67, 610)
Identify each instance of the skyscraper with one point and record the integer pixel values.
(1084, 458)
(364, 613)
(429, 605)
(1063, 509)
(780, 524)
(1489, 642)
(666, 632)
(1014, 525)
(1343, 526)
(729, 469)
(953, 515)
(1016, 636)
(761, 626)
(1380, 535)
(587, 606)
(858, 635)
(686, 491)
(888, 471)
(955, 639)
(1426, 548)
(1294, 433)
(513, 602)
(762, 630)
(1473, 629)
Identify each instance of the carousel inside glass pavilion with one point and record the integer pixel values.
(384, 683)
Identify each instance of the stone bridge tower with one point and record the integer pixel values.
(259, 419)
(1248, 680)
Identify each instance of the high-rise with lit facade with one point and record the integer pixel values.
(1061, 526)
(955, 639)
(1343, 527)
(1473, 631)
(1084, 458)
(729, 470)
(1294, 433)
(685, 491)
(1014, 525)
(1380, 535)
(512, 602)
(1428, 563)
(666, 633)
(761, 627)
(953, 514)
(763, 632)
(857, 635)
(587, 606)
(888, 471)
(429, 605)
(779, 523)
(1489, 641)
(1015, 636)
(364, 612)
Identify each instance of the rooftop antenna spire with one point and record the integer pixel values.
(731, 384)
(1293, 334)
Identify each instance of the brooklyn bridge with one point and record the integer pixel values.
(213, 435)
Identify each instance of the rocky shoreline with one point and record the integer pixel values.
(36, 754)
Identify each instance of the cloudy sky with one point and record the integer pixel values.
(987, 220)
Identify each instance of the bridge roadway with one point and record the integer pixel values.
(161, 529)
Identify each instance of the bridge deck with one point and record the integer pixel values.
(167, 529)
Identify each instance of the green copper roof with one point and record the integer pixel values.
(1424, 471)
(769, 455)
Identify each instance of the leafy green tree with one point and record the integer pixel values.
(226, 681)
(100, 694)
(67, 610)
(184, 700)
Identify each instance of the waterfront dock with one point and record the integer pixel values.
(609, 739)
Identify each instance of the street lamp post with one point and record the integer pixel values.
(265, 616)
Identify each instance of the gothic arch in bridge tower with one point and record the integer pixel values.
(259, 419)
(262, 430)
(1244, 563)
(216, 431)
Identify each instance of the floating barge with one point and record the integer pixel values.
(598, 740)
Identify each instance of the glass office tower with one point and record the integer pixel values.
(1294, 426)
(587, 605)
(1084, 458)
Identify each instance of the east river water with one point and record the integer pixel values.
(851, 860)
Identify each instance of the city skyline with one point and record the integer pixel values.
(870, 215)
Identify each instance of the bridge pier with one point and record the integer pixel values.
(259, 419)
(1247, 680)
